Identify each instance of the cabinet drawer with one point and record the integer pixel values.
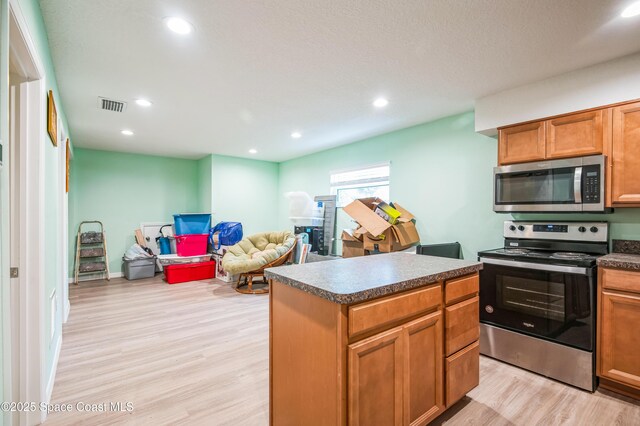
(461, 288)
(462, 373)
(385, 312)
(462, 325)
(615, 279)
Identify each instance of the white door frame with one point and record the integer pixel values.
(29, 334)
(63, 231)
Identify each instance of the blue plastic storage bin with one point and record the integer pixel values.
(192, 223)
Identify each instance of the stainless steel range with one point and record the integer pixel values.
(537, 298)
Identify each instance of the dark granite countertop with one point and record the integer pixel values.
(620, 261)
(358, 279)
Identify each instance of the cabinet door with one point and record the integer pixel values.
(625, 173)
(423, 395)
(519, 144)
(376, 380)
(620, 338)
(575, 135)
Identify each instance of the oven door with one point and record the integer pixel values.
(549, 301)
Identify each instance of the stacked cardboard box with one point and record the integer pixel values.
(381, 228)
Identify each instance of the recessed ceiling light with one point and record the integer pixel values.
(179, 25)
(127, 132)
(380, 103)
(143, 102)
(253, 151)
(632, 10)
(296, 135)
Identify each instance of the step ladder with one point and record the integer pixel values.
(91, 251)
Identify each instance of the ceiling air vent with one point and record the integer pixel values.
(111, 105)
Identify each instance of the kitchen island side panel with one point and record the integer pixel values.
(307, 357)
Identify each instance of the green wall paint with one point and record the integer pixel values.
(440, 171)
(205, 184)
(245, 191)
(123, 190)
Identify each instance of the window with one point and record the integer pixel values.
(370, 181)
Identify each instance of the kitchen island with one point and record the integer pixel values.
(386, 339)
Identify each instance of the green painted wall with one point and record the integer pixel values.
(204, 184)
(122, 190)
(245, 191)
(440, 171)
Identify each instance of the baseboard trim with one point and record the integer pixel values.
(96, 277)
(52, 376)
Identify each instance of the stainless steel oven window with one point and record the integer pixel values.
(542, 299)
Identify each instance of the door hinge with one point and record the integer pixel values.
(13, 272)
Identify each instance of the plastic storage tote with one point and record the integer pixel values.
(192, 223)
(175, 274)
(192, 245)
(139, 268)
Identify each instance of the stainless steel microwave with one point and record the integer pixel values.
(567, 185)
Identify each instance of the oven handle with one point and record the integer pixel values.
(537, 266)
(577, 185)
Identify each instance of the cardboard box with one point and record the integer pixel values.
(221, 274)
(352, 244)
(377, 233)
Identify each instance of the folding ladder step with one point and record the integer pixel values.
(92, 267)
(91, 238)
(91, 252)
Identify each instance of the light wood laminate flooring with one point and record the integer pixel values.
(197, 353)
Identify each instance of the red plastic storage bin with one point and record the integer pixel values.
(192, 244)
(185, 272)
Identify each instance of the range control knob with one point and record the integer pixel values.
(582, 229)
(594, 229)
(520, 228)
(512, 228)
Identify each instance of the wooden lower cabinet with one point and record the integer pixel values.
(376, 379)
(618, 357)
(463, 372)
(424, 370)
(396, 377)
(380, 362)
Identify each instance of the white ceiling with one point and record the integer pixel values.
(254, 71)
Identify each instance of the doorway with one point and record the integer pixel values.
(23, 363)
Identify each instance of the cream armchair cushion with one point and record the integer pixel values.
(256, 251)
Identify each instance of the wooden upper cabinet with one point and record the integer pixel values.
(575, 135)
(424, 371)
(620, 338)
(376, 379)
(625, 173)
(520, 144)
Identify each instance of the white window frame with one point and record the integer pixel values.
(361, 183)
